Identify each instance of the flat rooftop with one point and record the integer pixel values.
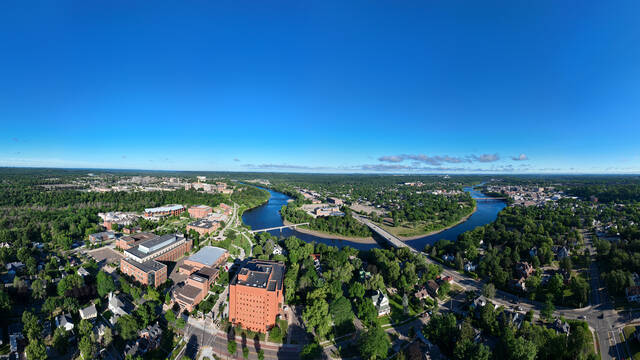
(203, 223)
(147, 266)
(158, 243)
(187, 293)
(261, 274)
(204, 207)
(208, 255)
(165, 208)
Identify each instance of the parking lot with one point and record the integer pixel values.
(104, 256)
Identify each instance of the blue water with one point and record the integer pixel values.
(268, 215)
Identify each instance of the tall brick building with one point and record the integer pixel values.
(142, 261)
(256, 295)
(200, 211)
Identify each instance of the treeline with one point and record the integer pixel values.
(343, 225)
(35, 196)
(608, 193)
(249, 196)
(432, 208)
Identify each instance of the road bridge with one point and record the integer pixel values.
(292, 226)
(391, 239)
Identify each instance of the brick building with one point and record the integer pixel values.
(226, 209)
(142, 261)
(200, 211)
(203, 226)
(256, 295)
(167, 210)
(127, 242)
(195, 288)
(208, 256)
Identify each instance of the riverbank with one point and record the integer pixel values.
(324, 235)
(434, 232)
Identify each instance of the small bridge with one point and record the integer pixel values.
(292, 226)
(491, 198)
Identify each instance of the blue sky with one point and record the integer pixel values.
(322, 86)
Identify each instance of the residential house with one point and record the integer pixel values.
(432, 288)
(563, 252)
(381, 302)
(83, 272)
(118, 306)
(469, 267)
(89, 312)
(633, 293)
(524, 269)
(422, 294)
(64, 321)
(561, 326)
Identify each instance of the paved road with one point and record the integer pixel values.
(202, 334)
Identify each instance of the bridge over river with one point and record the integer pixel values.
(391, 239)
(292, 226)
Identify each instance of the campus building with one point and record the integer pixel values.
(195, 288)
(200, 211)
(202, 268)
(256, 295)
(127, 242)
(203, 226)
(208, 256)
(142, 261)
(167, 210)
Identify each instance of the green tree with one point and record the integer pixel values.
(36, 350)
(107, 338)
(374, 344)
(356, 290)
(316, 316)
(5, 303)
(489, 290)
(39, 289)
(60, 340)
(260, 354)
(32, 326)
(127, 326)
(69, 282)
(104, 283)
(86, 347)
(232, 347)
(245, 352)
(547, 310)
(85, 328)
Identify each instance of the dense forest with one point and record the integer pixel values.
(510, 239)
(344, 225)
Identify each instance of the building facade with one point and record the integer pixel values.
(200, 211)
(256, 295)
(167, 210)
(203, 226)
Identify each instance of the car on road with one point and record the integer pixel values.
(519, 308)
(601, 316)
(582, 317)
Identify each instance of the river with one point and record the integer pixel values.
(268, 215)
